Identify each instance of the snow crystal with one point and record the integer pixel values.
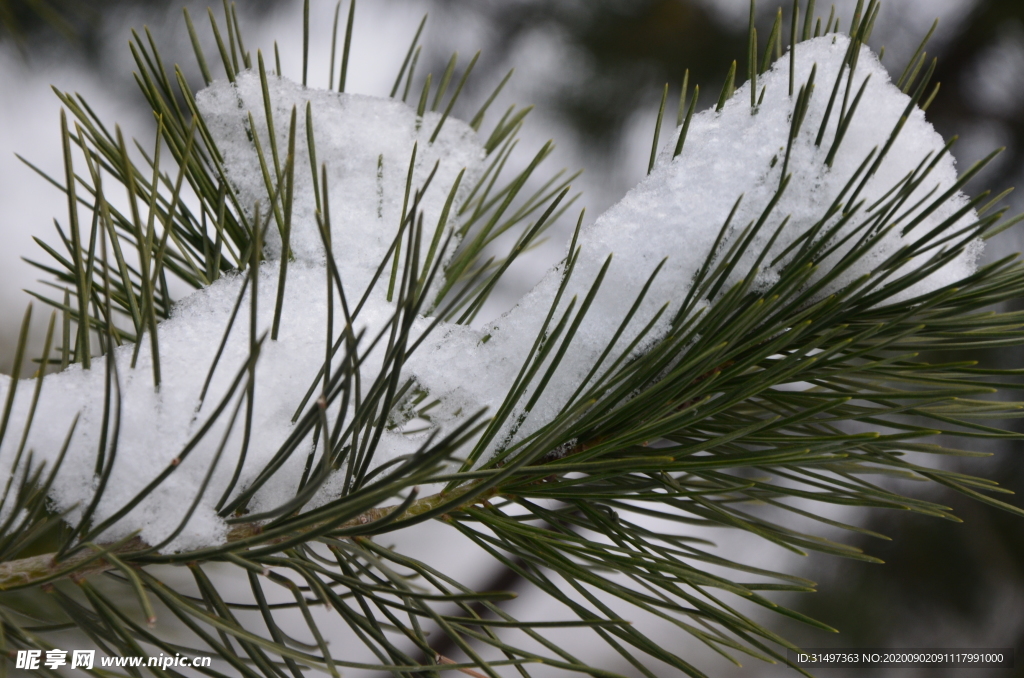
(366, 144)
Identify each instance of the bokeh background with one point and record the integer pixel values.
(594, 69)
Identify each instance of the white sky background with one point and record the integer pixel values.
(29, 125)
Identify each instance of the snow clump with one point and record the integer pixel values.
(367, 144)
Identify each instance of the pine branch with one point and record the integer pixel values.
(789, 354)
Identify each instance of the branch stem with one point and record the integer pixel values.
(45, 568)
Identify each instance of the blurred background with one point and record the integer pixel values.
(594, 69)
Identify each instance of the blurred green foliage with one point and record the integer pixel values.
(17, 17)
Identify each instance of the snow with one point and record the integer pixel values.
(678, 210)
(367, 143)
(355, 136)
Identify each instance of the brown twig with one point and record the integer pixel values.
(441, 659)
(43, 568)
